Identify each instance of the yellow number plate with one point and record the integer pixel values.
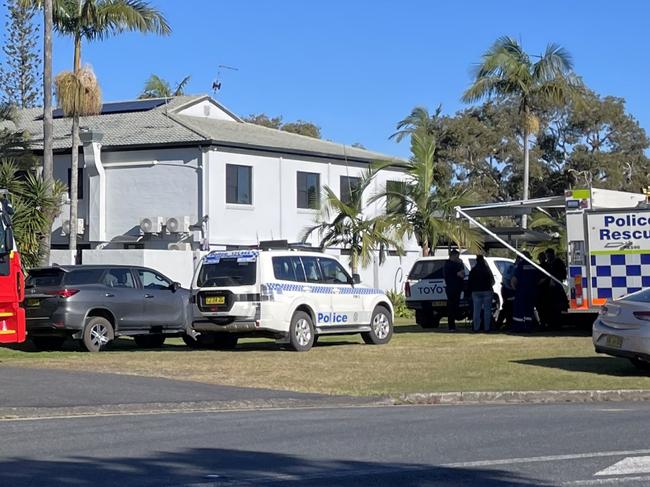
(215, 300)
(33, 303)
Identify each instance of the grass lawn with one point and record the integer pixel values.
(414, 361)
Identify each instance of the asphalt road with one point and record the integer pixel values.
(569, 444)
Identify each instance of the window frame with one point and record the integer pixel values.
(162, 278)
(238, 168)
(346, 188)
(316, 200)
(348, 280)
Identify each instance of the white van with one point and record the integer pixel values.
(293, 296)
(425, 287)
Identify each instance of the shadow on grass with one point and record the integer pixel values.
(611, 366)
(222, 467)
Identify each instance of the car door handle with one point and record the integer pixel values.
(148, 296)
(109, 295)
(336, 290)
(307, 289)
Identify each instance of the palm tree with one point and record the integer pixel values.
(417, 208)
(156, 87)
(48, 156)
(93, 20)
(419, 120)
(507, 71)
(344, 224)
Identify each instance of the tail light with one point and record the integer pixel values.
(64, 293)
(407, 289)
(642, 315)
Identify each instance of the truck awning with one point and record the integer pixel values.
(515, 208)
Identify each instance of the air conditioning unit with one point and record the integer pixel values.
(178, 224)
(152, 224)
(179, 246)
(65, 228)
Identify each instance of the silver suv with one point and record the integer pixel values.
(95, 304)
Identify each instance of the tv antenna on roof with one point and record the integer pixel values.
(216, 84)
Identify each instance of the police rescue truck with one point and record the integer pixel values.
(290, 294)
(608, 234)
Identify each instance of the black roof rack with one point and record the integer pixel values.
(286, 245)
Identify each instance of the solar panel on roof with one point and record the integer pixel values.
(123, 107)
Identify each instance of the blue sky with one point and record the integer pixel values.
(355, 68)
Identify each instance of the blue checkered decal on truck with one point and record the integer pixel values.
(614, 275)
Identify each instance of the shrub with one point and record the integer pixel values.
(399, 303)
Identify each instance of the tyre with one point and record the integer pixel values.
(149, 341)
(48, 343)
(301, 332)
(224, 341)
(381, 327)
(98, 334)
(427, 318)
(641, 365)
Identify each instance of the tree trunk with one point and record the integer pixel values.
(425, 249)
(524, 218)
(74, 178)
(48, 158)
(354, 259)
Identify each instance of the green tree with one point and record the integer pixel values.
(419, 209)
(19, 80)
(35, 203)
(508, 72)
(156, 87)
(92, 20)
(344, 224)
(299, 127)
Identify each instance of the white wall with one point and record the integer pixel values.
(163, 182)
(176, 265)
(207, 109)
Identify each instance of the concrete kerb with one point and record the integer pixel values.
(523, 397)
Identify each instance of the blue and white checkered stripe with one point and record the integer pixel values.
(316, 289)
(615, 275)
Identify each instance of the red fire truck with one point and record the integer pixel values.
(12, 281)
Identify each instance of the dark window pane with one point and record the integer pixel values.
(239, 184)
(44, 277)
(298, 269)
(227, 272)
(283, 269)
(348, 186)
(427, 269)
(333, 272)
(308, 190)
(80, 183)
(84, 276)
(395, 203)
(312, 269)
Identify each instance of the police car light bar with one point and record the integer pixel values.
(285, 245)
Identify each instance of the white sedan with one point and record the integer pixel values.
(622, 329)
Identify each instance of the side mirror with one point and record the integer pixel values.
(356, 278)
(174, 286)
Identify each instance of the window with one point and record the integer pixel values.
(44, 278)
(312, 270)
(80, 183)
(395, 203)
(640, 297)
(119, 278)
(348, 186)
(227, 272)
(308, 190)
(283, 269)
(83, 276)
(152, 280)
(427, 269)
(239, 184)
(333, 272)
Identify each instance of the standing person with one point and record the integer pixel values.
(556, 296)
(481, 283)
(542, 303)
(526, 282)
(508, 295)
(454, 275)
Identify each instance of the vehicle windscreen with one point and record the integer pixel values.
(427, 269)
(640, 297)
(44, 278)
(227, 272)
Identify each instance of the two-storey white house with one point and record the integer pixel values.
(152, 170)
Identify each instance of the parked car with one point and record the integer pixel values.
(425, 288)
(96, 303)
(622, 329)
(294, 296)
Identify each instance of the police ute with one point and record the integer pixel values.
(289, 293)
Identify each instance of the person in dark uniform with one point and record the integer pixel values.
(454, 275)
(526, 282)
(508, 295)
(556, 297)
